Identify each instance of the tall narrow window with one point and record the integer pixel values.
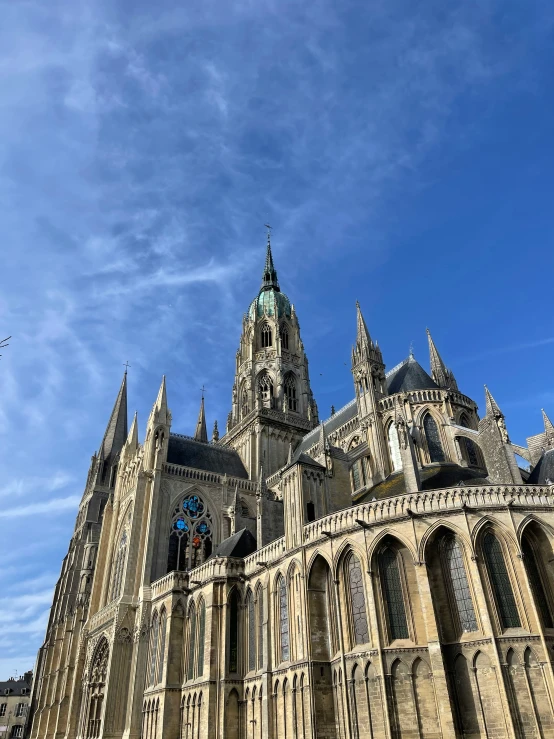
(393, 595)
(154, 648)
(265, 386)
(290, 392)
(234, 632)
(192, 642)
(394, 448)
(357, 600)
(536, 583)
(119, 566)
(251, 632)
(260, 609)
(432, 435)
(310, 510)
(284, 337)
(467, 444)
(455, 575)
(266, 335)
(284, 621)
(201, 638)
(500, 581)
(161, 653)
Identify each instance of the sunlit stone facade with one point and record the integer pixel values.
(386, 573)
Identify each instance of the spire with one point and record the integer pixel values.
(160, 411)
(269, 277)
(201, 433)
(491, 406)
(131, 445)
(548, 427)
(439, 372)
(362, 334)
(116, 430)
(215, 432)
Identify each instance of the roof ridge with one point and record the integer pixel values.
(336, 413)
(400, 364)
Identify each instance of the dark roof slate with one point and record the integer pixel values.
(15, 687)
(338, 419)
(409, 375)
(240, 544)
(543, 470)
(201, 456)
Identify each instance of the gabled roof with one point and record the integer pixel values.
(409, 375)
(543, 470)
(188, 452)
(240, 544)
(338, 419)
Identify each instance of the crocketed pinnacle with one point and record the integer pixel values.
(439, 372)
(548, 427)
(269, 278)
(362, 334)
(201, 433)
(491, 406)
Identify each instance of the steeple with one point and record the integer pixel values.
(548, 429)
(269, 277)
(201, 433)
(439, 372)
(116, 430)
(362, 334)
(491, 406)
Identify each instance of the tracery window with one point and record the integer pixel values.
(357, 600)
(191, 531)
(265, 386)
(284, 337)
(290, 392)
(392, 594)
(119, 567)
(266, 335)
(394, 448)
(432, 435)
(260, 609)
(161, 651)
(97, 681)
(234, 632)
(283, 620)
(536, 583)
(251, 610)
(154, 648)
(201, 639)
(454, 573)
(358, 474)
(192, 641)
(500, 582)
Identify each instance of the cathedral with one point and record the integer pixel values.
(385, 573)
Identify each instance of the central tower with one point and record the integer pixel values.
(273, 405)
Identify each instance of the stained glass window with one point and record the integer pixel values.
(284, 621)
(266, 335)
(432, 435)
(260, 627)
(500, 581)
(290, 390)
(251, 633)
(535, 581)
(190, 538)
(234, 632)
(161, 653)
(201, 638)
(454, 570)
(154, 648)
(192, 642)
(357, 599)
(393, 595)
(119, 566)
(394, 448)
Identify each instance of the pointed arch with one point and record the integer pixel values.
(162, 640)
(395, 458)
(266, 335)
(393, 534)
(260, 624)
(320, 606)
(201, 636)
(96, 687)
(355, 598)
(290, 386)
(191, 640)
(232, 716)
(283, 620)
(154, 632)
(251, 630)
(499, 579)
(433, 438)
(264, 389)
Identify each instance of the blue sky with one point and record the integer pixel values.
(402, 152)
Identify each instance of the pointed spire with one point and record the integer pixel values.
(439, 372)
(548, 427)
(116, 430)
(215, 433)
(362, 334)
(491, 406)
(131, 445)
(160, 412)
(201, 433)
(269, 277)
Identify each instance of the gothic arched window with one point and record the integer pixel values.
(234, 632)
(201, 639)
(190, 538)
(251, 612)
(266, 336)
(283, 620)
(260, 610)
(284, 337)
(392, 594)
(457, 585)
(468, 445)
(432, 435)
(500, 582)
(119, 566)
(536, 583)
(192, 641)
(154, 648)
(97, 681)
(394, 448)
(265, 386)
(161, 651)
(290, 392)
(360, 631)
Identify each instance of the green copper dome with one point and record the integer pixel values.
(270, 298)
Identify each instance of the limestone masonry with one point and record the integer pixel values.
(385, 573)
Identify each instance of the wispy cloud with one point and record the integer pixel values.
(54, 505)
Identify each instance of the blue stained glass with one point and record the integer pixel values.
(181, 525)
(202, 528)
(193, 506)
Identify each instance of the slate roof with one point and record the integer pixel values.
(339, 418)
(188, 452)
(15, 687)
(543, 470)
(409, 375)
(433, 477)
(240, 544)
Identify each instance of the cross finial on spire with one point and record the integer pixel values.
(126, 365)
(269, 279)
(201, 433)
